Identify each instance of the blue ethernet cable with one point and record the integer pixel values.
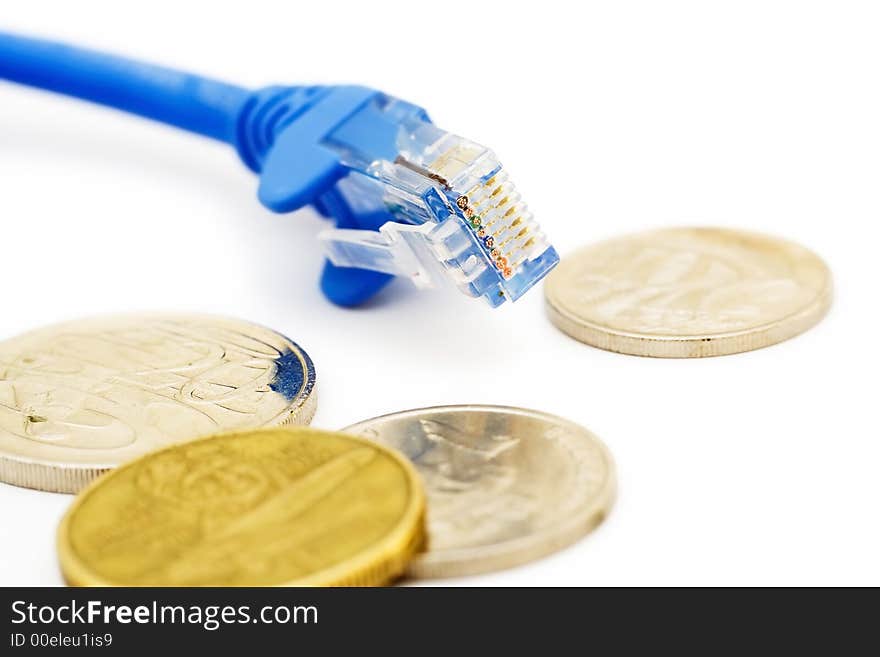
(407, 198)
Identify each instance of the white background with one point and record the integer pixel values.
(760, 468)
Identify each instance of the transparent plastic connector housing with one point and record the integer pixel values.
(457, 216)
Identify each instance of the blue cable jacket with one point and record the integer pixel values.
(200, 105)
(251, 121)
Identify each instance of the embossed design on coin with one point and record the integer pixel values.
(504, 485)
(82, 397)
(268, 507)
(688, 292)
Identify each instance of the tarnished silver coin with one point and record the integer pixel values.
(79, 398)
(688, 292)
(504, 485)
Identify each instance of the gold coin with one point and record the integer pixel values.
(269, 507)
(82, 397)
(504, 485)
(688, 292)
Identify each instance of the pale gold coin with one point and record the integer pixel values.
(504, 485)
(82, 397)
(688, 292)
(289, 506)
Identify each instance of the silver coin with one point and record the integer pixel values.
(80, 398)
(504, 485)
(688, 292)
